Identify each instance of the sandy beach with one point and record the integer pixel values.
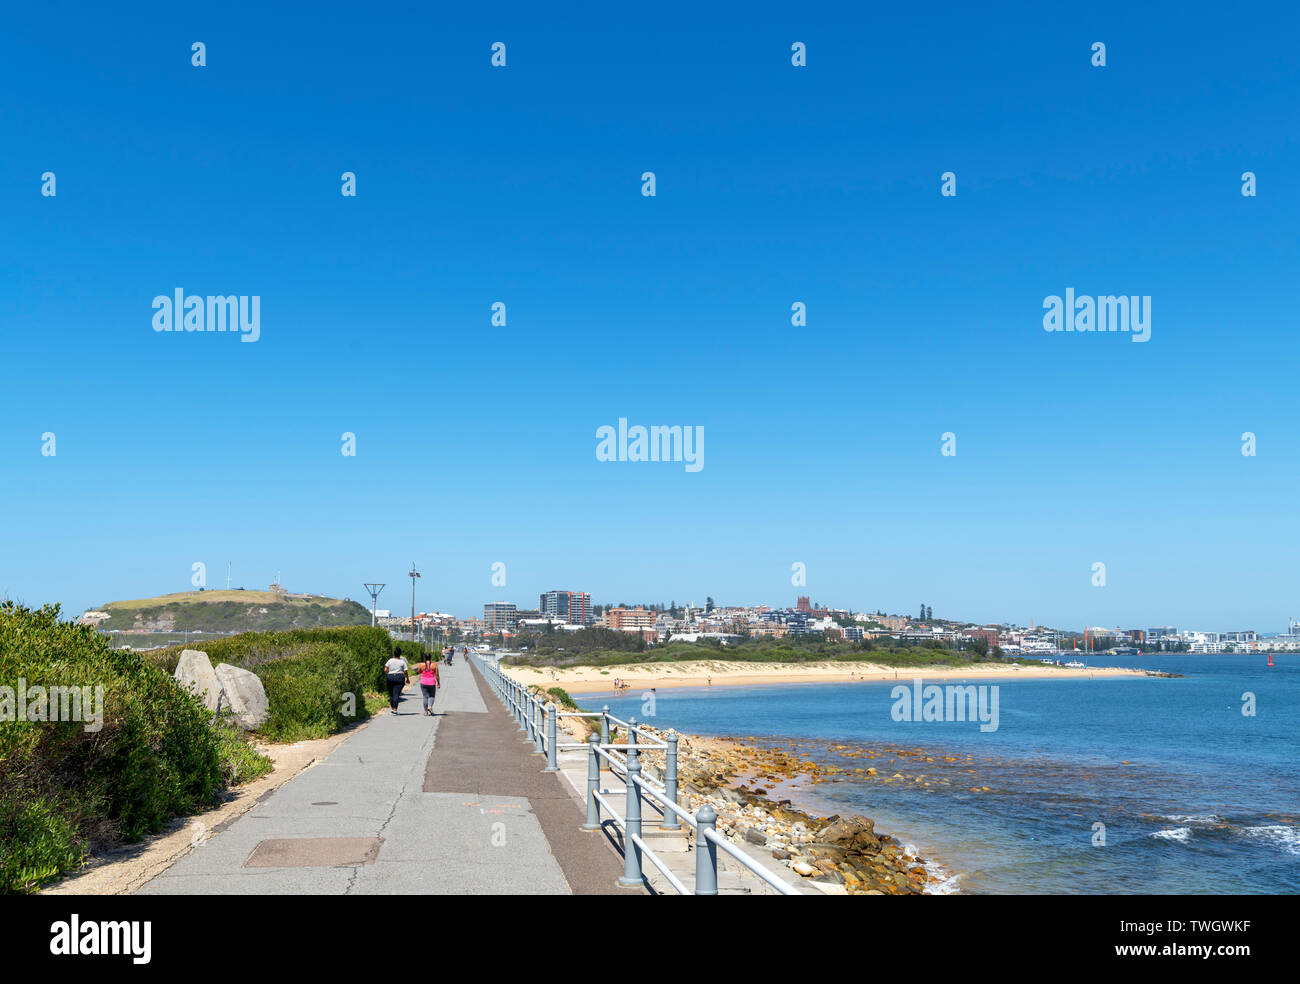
(641, 676)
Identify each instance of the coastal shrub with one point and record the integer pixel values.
(412, 652)
(369, 647)
(65, 790)
(563, 699)
(306, 691)
(763, 650)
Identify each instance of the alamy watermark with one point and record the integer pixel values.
(656, 443)
(220, 312)
(1108, 313)
(37, 703)
(965, 702)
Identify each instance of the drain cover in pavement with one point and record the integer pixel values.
(314, 852)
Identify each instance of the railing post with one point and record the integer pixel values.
(604, 725)
(632, 850)
(593, 785)
(671, 820)
(552, 762)
(706, 852)
(631, 740)
(539, 743)
(529, 717)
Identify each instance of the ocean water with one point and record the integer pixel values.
(1195, 796)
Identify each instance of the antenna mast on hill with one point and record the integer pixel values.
(227, 575)
(374, 590)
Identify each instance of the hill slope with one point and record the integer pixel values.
(231, 611)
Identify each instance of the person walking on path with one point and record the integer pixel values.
(398, 676)
(429, 683)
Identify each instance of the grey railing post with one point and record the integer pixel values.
(552, 762)
(604, 725)
(631, 740)
(671, 820)
(539, 734)
(529, 716)
(593, 785)
(706, 852)
(632, 828)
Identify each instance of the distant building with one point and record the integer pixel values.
(990, 636)
(804, 604)
(499, 616)
(631, 618)
(568, 606)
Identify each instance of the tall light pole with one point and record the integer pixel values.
(413, 574)
(374, 590)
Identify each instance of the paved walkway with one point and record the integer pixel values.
(453, 804)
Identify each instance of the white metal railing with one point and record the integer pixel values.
(539, 723)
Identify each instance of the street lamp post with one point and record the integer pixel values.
(413, 574)
(374, 590)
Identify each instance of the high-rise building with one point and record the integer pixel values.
(573, 607)
(500, 615)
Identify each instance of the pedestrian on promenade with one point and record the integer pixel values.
(398, 675)
(429, 683)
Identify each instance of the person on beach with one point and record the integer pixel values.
(428, 684)
(398, 675)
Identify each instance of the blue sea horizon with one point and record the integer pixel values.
(1105, 785)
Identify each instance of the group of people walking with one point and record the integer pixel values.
(398, 674)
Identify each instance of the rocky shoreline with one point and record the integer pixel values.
(739, 779)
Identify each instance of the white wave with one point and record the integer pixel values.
(1180, 834)
(941, 880)
(1287, 838)
(1196, 819)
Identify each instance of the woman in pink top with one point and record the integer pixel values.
(428, 683)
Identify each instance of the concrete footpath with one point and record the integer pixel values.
(450, 804)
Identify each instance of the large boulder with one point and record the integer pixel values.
(244, 695)
(194, 673)
(856, 834)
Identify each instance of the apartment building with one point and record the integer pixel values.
(500, 616)
(631, 618)
(567, 606)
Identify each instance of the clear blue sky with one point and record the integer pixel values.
(776, 184)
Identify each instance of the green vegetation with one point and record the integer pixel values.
(581, 649)
(232, 611)
(563, 699)
(316, 680)
(370, 647)
(65, 790)
(412, 652)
